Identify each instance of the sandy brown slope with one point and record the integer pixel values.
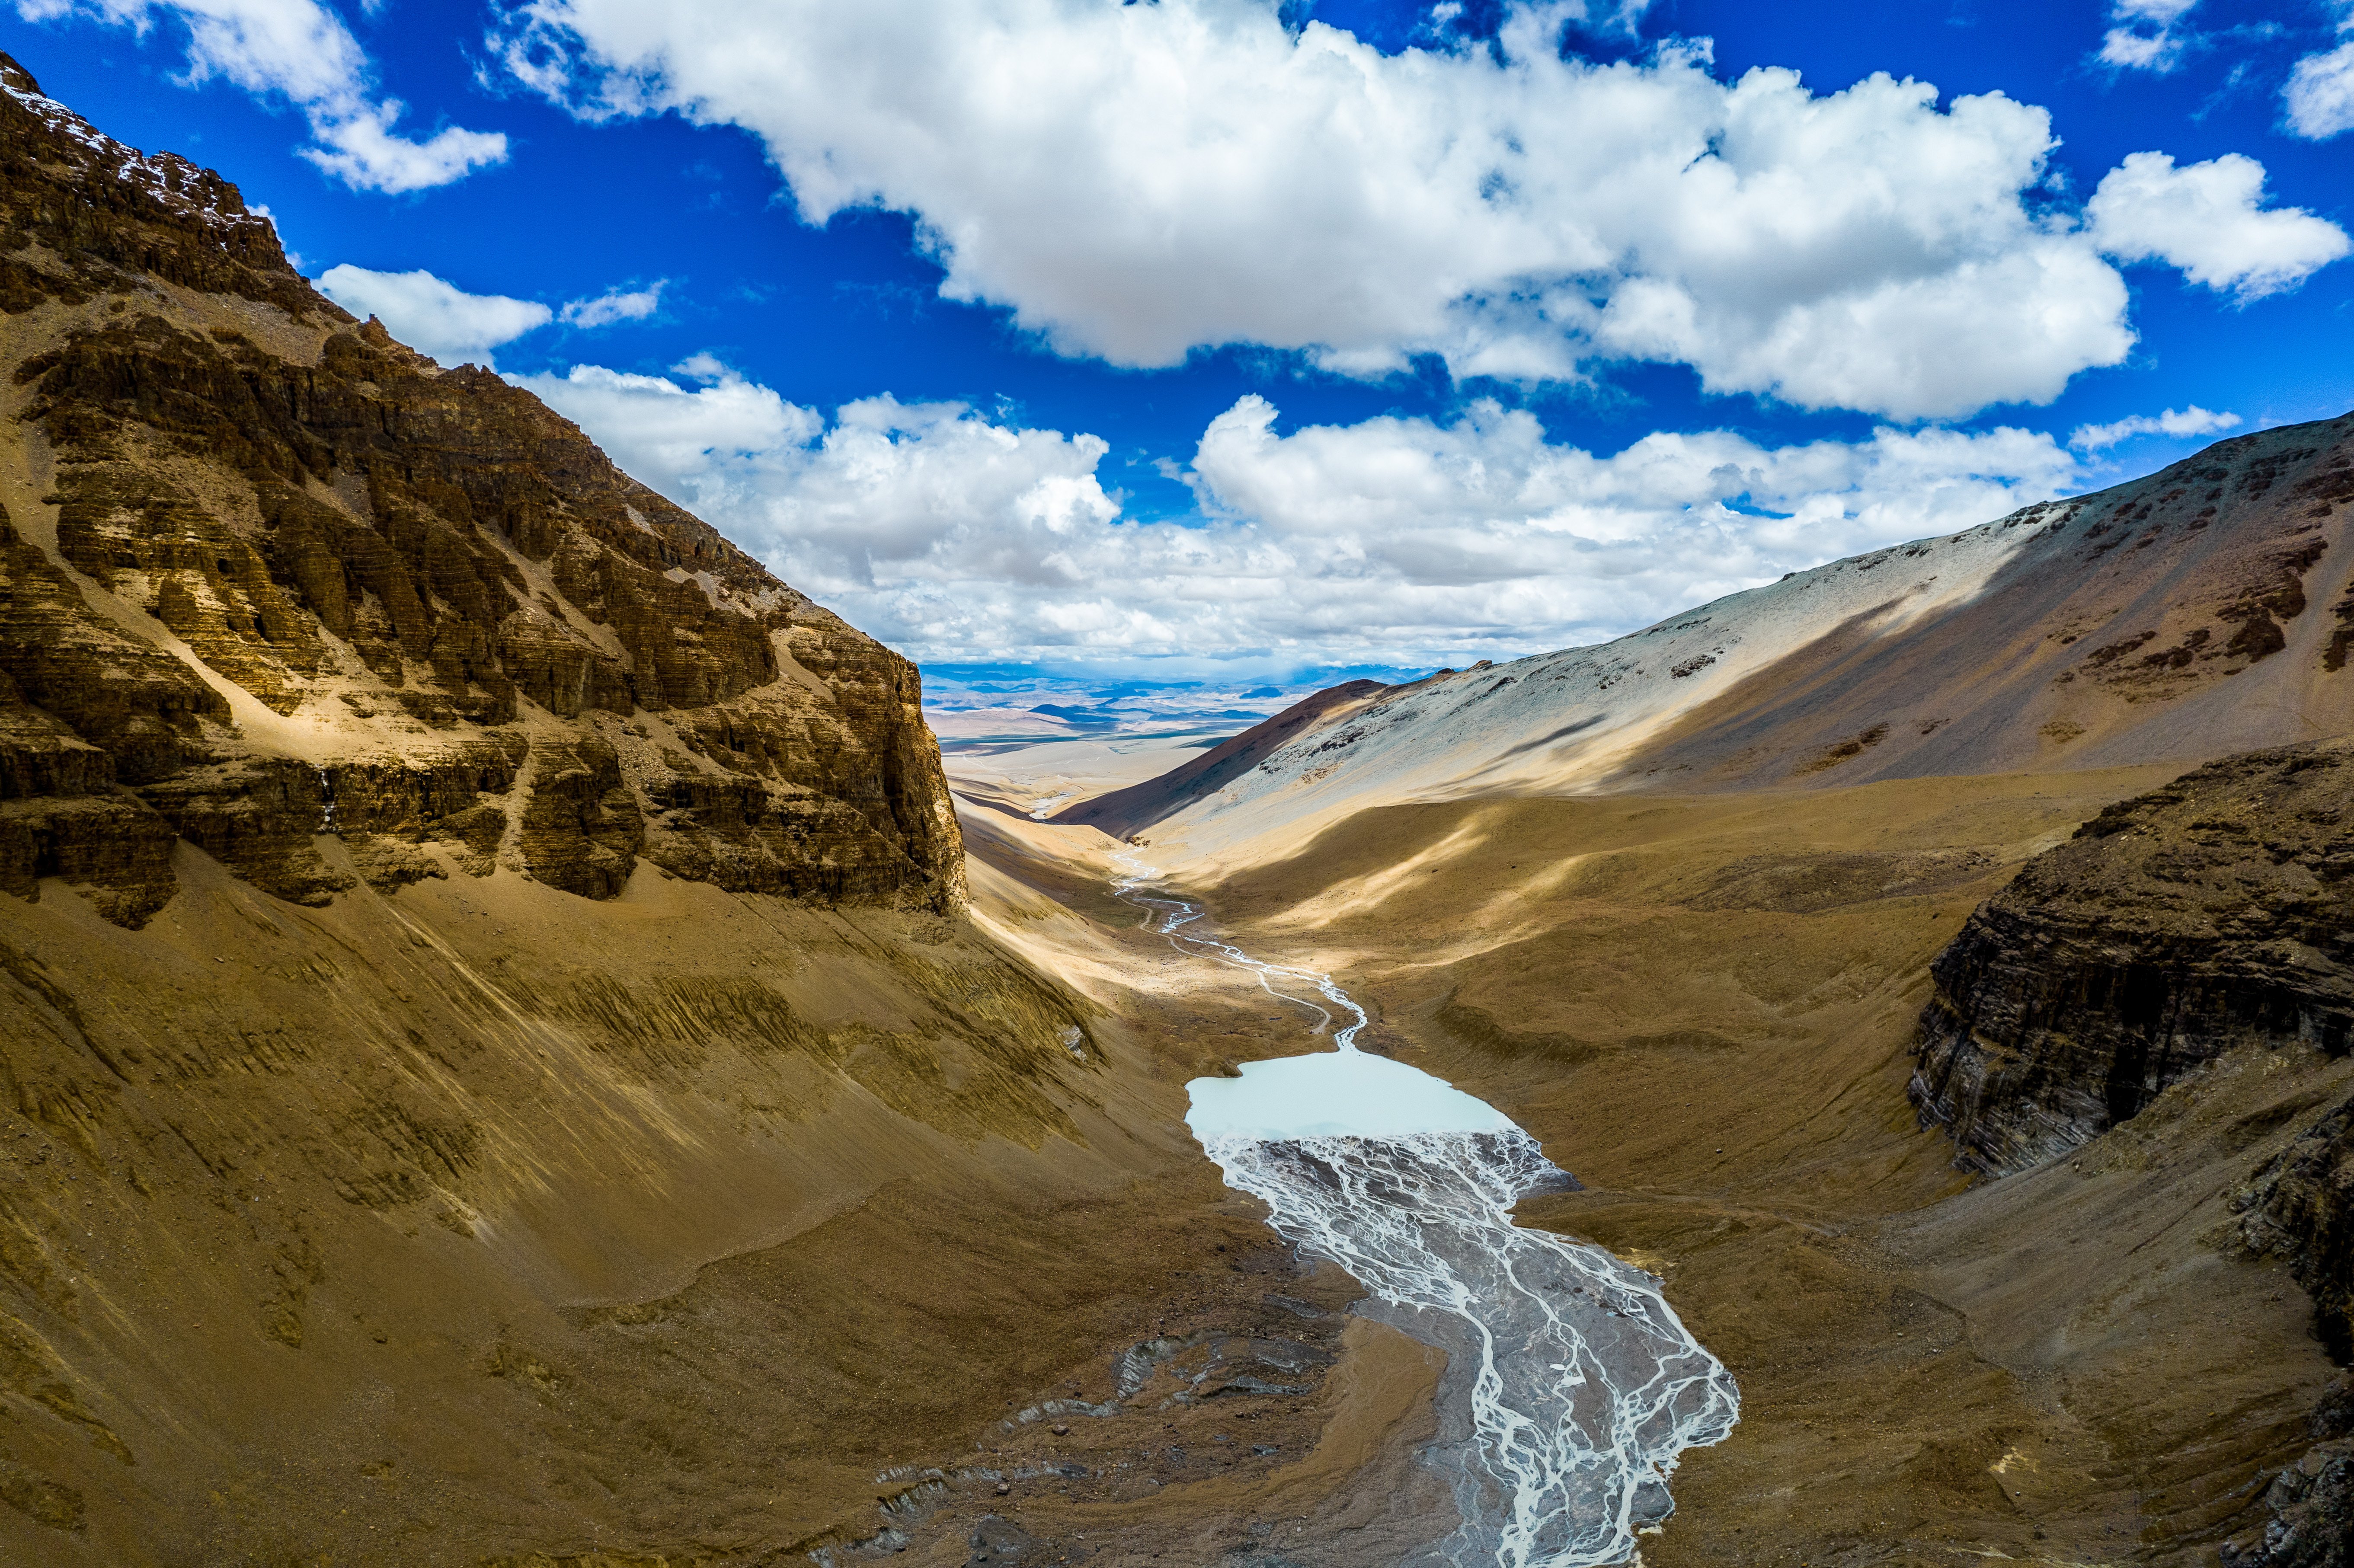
(2205, 609)
(486, 1223)
(308, 1213)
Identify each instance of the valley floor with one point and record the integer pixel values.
(1704, 1007)
(479, 1221)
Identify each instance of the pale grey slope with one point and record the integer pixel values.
(2186, 615)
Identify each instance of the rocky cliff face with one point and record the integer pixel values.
(2311, 1503)
(266, 575)
(2298, 1208)
(2212, 913)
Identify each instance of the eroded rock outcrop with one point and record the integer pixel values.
(2310, 1504)
(2211, 913)
(265, 574)
(2299, 1207)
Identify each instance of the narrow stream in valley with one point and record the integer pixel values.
(1572, 1385)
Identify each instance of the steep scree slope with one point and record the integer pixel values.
(265, 574)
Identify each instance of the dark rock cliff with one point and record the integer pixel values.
(2213, 915)
(2214, 912)
(265, 574)
(2299, 1207)
(2310, 1504)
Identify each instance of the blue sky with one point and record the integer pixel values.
(1199, 340)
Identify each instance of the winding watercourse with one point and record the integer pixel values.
(1571, 1386)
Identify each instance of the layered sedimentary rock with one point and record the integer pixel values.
(2299, 1207)
(2212, 913)
(2311, 1503)
(267, 575)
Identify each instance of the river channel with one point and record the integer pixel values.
(1571, 1384)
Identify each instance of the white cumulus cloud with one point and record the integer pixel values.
(2130, 51)
(2319, 98)
(634, 305)
(302, 51)
(2191, 421)
(2209, 219)
(358, 146)
(1138, 182)
(957, 536)
(679, 439)
(2128, 47)
(437, 318)
(434, 317)
(882, 491)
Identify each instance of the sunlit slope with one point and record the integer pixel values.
(2201, 611)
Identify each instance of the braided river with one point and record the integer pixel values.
(1572, 1387)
